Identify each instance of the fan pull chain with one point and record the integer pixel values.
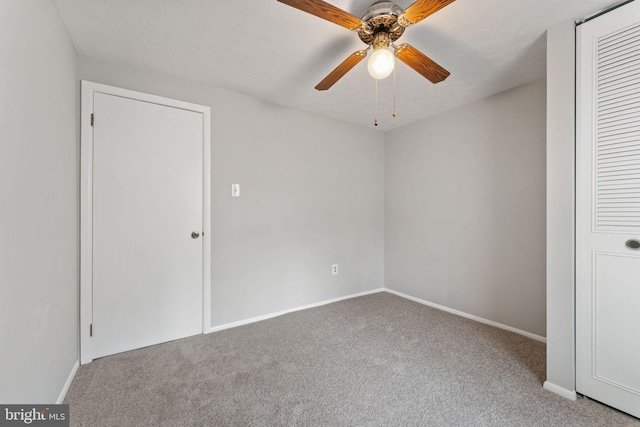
(375, 122)
(393, 113)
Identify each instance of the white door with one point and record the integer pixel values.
(147, 201)
(608, 209)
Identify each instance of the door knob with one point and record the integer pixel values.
(633, 244)
(195, 235)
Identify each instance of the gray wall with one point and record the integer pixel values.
(465, 208)
(560, 206)
(38, 203)
(312, 195)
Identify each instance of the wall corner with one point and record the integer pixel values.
(561, 207)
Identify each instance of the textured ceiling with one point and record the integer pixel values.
(278, 54)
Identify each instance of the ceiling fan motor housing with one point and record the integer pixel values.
(381, 17)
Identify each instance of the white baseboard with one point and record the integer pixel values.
(291, 310)
(560, 391)
(67, 384)
(468, 316)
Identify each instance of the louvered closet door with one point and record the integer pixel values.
(608, 209)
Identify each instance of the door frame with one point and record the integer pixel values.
(88, 89)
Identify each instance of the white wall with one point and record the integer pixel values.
(465, 208)
(560, 209)
(38, 203)
(312, 195)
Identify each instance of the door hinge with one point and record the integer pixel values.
(92, 118)
(91, 330)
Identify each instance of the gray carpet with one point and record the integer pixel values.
(377, 360)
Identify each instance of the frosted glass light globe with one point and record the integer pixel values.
(381, 63)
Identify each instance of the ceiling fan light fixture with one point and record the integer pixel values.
(381, 63)
(382, 24)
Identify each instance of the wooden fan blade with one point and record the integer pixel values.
(341, 70)
(423, 8)
(421, 63)
(326, 11)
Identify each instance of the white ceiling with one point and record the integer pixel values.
(278, 54)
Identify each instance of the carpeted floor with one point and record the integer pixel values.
(377, 360)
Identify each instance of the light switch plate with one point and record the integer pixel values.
(235, 190)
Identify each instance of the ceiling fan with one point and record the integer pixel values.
(379, 27)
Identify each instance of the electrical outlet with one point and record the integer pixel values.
(334, 269)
